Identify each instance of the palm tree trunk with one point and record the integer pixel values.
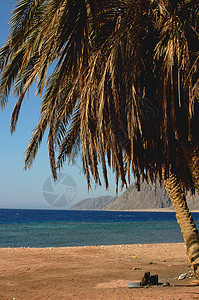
(191, 153)
(184, 218)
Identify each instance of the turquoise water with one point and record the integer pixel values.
(41, 228)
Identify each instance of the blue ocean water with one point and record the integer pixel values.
(64, 228)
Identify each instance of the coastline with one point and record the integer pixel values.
(153, 210)
(103, 271)
(139, 210)
(166, 209)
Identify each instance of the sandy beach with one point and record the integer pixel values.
(97, 272)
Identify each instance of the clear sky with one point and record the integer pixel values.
(25, 189)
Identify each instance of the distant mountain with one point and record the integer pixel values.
(149, 197)
(98, 203)
(193, 202)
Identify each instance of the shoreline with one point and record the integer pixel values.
(94, 246)
(134, 210)
(103, 271)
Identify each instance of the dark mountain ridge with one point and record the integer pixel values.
(149, 197)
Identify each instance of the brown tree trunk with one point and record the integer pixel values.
(184, 218)
(191, 153)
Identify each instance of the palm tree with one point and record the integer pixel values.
(184, 218)
(122, 90)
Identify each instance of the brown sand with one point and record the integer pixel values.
(99, 272)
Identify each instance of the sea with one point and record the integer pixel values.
(68, 228)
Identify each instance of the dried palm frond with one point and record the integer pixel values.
(118, 81)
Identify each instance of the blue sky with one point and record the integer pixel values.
(19, 188)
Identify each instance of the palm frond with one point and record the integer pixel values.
(117, 81)
(35, 141)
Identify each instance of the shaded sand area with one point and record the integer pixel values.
(98, 272)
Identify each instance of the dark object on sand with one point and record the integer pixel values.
(149, 279)
(145, 279)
